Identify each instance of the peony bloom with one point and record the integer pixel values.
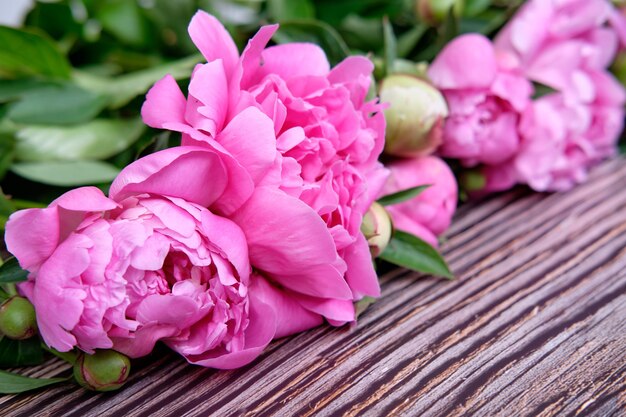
(567, 46)
(486, 95)
(562, 139)
(145, 265)
(560, 43)
(316, 143)
(429, 214)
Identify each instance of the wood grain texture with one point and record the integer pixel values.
(535, 325)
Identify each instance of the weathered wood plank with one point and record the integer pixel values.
(535, 325)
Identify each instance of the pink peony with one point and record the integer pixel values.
(561, 42)
(486, 95)
(429, 214)
(150, 263)
(562, 139)
(567, 46)
(317, 142)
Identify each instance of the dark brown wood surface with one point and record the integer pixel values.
(535, 325)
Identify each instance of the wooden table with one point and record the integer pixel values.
(535, 325)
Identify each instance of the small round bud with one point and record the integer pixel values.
(105, 370)
(415, 115)
(377, 227)
(434, 12)
(17, 318)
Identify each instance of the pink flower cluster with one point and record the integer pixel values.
(247, 232)
(549, 142)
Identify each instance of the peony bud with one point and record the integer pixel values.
(17, 318)
(105, 370)
(415, 115)
(434, 12)
(376, 227)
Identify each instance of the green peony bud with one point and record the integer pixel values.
(434, 12)
(377, 227)
(17, 318)
(105, 370)
(415, 115)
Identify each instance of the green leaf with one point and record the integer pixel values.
(29, 53)
(411, 252)
(122, 89)
(66, 104)
(362, 305)
(326, 36)
(391, 48)
(475, 7)
(450, 28)
(10, 271)
(362, 33)
(281, 10)
(6, 209)
(14, 384)
(20, 352)
(98, 139)
(7, 152)
(13, 89)
(542, 90)
(123, 19)
(66, 173)
(408, 40)
(404, 195)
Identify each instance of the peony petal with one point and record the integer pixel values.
(85, 199)
(260, 332)
(337, 312)
(350, 69)
(32, 235)
(165, 103)
(213, 40)
(250, 61)
(361, 275)
(195, 174)
(291, 317)
(293, 60)
(57, 295)
(467, 62)
(250, 139)
(290, 243)
(230, 240)
(144, 340)
(167, 309)
(209, 86)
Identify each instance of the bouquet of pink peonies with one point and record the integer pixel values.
(293, 178)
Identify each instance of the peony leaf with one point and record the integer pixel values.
(20, 352)
(57, 105)
(402, 196)
(97, 139)
(362, 305)
(411, 252)
(30, 53)
(390, 46)
(281, 10)
(10, 271)
(14, 384)
(123, 88)
(66, 173)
